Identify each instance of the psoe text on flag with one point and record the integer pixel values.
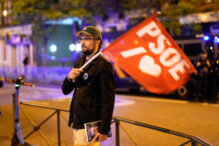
(150, 56)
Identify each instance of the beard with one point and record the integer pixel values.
(86, 51)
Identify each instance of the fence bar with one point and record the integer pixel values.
(38, 127)
(35, 125)
(117, 132)
(193, 143)
(194, 139)
(58, 128)
(46, 107)
(185, 143)
(129, 135)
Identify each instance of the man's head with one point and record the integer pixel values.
(91, 39)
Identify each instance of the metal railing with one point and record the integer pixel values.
(37, 127)
(194, 140)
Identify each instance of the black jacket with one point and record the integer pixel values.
(94, 96)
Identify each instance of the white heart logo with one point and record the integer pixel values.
(148, 66)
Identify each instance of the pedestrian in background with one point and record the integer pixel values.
(204, 67)
(93, 96)
(25, 62)
(214, 80)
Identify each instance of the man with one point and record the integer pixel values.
(94, 96)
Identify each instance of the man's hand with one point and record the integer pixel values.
(99, 137)
(74, 73)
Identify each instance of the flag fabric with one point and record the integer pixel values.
(150, 55)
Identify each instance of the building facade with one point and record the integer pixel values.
(15, 46)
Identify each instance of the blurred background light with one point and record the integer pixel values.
(53, 48)
(206, 37)
(5, 12)
(53, 57)
(72, 47)
(78, 48)
(216, 39)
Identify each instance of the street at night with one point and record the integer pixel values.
(192, 118)
(137, 72)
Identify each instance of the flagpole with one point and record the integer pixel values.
(155, 14)
(89, 61)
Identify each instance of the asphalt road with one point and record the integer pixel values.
(197, 119)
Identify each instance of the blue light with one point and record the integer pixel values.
(53, 57)
(216, 39)
(206, 38)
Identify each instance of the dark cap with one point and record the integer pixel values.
(90, 30)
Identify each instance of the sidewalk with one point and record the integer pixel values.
(48, 131)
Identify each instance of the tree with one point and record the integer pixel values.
(39, 12)
(102, 8)
(172, 10)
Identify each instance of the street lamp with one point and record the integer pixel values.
(53, 48)
(5, 13)
(72, 47)
(78, 47)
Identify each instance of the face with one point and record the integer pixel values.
(89, 44)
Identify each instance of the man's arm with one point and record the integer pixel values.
(67, 86)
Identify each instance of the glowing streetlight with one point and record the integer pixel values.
(78, 47)
(5, 13)
(53, 48)
(72, 47)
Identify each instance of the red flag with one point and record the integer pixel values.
(150, 56)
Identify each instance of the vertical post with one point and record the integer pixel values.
(193, 143)
(18, 135)
(58, 127)
(117, 132)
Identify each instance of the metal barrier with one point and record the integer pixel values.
(194, 140)
(37, 127)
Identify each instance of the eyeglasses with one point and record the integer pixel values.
(86, 39)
